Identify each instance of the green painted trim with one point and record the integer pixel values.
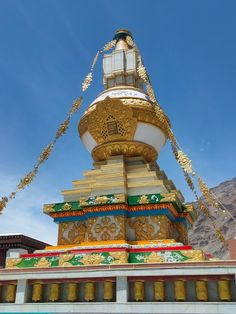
(140, 199)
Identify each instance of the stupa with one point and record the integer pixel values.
(122, 229)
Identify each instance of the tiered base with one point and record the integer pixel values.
(108, 252)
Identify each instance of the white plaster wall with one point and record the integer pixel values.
(150, 134)
(14, 253)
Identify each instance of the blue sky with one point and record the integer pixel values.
(189, 48)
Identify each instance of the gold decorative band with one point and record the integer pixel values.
(140, 109)
(128, 149)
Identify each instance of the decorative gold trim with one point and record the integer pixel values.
(128, 148)
(109, 121)
(142, 110)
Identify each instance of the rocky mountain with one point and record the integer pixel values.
(202, 234)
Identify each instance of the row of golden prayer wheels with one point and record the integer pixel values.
(138, 292)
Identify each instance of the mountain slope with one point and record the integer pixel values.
(202, 234)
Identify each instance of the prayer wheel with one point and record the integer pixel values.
(10, 293)
(159, 290)
(89, 291)
(139, 293)
(72, 289)
(180, 290)
(54, 292)
(224, 290)
(201, 290)
(37, 292)
(107, 290)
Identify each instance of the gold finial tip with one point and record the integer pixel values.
(122, 33)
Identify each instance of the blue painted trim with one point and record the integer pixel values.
(68, 219)
(156, 212)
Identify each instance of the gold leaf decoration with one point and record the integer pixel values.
(92, 259)
(87, 81)
(109, 45)
(95, 60)
(47, 208)
(66, 206)
(43, 262)
(142, 71)
(184, 161)
(26, 180)
(206, 192)
(75, 106)
(3, 203)
(143, 199)
(63, 127)
(12, 262)
(130, 41)
(151, 93)
(45, 153)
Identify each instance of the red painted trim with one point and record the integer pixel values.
(176, 248)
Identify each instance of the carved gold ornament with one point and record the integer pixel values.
(110, 121)
(194, 255)
(43, 262)
(129, 149)
(92, 259)
(66, 206)
(154, 258)
(64, 259)
(151, 227)
(48, 208)
(143, 199)
(12, 262)
(101, 200)
(142, 111)
(71, 232)
(119, 257)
